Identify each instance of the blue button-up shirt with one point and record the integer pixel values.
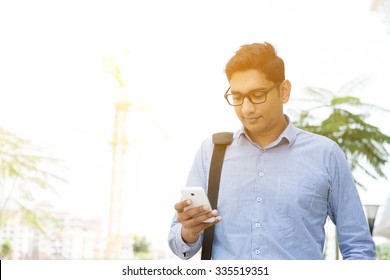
(274, 200)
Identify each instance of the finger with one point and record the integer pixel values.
(194, 212)
(199, 228)
(207, 225)
(200, 219)
(179, 207)
(196, 228)
(206, 217)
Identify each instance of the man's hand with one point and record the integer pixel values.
(193, 225)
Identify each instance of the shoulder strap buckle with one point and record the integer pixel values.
(223, 138)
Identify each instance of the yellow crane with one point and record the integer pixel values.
(119, 146)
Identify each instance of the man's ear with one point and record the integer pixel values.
(285, 88)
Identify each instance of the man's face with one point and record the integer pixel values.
(263, 119)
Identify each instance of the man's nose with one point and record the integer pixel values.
(247, 106)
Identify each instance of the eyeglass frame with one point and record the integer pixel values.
(247, 95)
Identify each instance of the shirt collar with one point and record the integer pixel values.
(289, 134)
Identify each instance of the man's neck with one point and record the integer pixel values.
(265, 139)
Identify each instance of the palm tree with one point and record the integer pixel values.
(22, 171)
(343, 118)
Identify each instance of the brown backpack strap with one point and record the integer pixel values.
(221, 140)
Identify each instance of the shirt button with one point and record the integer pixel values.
(257, 225)
(258, 199)
(261, 174)
(257, 251)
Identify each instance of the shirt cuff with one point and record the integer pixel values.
(188, 249)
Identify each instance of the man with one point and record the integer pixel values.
(278, 184)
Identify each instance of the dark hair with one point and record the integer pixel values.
(259, 56)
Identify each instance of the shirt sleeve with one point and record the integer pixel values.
(346, 211)
(197, 176)
(180, 248)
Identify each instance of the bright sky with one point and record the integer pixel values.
(54, 91)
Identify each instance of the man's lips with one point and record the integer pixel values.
(252, 118)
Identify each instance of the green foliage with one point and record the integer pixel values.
(347, 125)
(20, 161)
(23, 171)
(140, 244)
(141, 247)
(5, 249)
(383, 251)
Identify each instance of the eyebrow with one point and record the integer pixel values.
(249, 92)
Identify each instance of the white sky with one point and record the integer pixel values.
(54, 91)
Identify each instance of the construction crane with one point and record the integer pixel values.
(119, 146)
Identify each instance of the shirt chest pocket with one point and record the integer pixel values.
(295, 198)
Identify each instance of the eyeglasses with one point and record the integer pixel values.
(256, 96)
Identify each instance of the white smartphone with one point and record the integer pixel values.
(198, 197)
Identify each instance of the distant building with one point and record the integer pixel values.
(68, 238)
